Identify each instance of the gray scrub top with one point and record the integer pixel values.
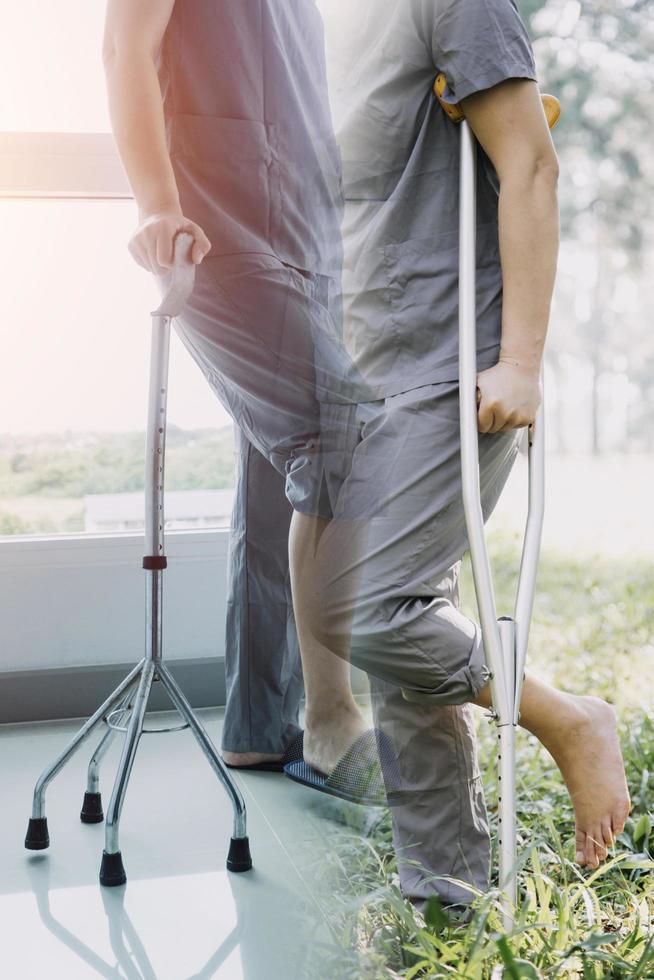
(249, 129)
(400, 159)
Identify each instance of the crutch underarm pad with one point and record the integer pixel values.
(551, 105)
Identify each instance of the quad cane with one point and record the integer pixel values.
(504, 638)
(125, 709)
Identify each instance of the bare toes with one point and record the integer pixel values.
(619, 819)
(607, 832)
(580, 847)
(600, 847)
(591, 854)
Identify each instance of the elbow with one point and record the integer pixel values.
(545, 168)
(123, 53)
(531, 171)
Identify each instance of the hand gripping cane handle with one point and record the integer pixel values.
(181, 278)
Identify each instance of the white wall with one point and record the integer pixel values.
(80, 600)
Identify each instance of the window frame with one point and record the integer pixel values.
(65, 166)
(82, 167)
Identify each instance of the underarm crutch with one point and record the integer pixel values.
(133, 693)
(505, 638)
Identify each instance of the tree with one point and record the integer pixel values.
(597, 58)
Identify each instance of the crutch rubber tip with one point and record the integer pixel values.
(37, 837)
(112, 871)
(239, 858)
(91, 811)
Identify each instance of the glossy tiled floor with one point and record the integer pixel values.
(181, 915)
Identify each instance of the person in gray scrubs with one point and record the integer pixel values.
(386, 567)
(240, 151)
(221, 117)
(263, 672)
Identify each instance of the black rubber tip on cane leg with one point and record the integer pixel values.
(239, 858)
(37, 837)
(91, 811)
(112, 871)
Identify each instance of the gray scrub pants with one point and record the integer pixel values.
(252, 363)
(249, 326)
(388, 570)
(440, 825)
(439, 819)
(263, 672)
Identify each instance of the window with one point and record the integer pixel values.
(75, 338)
(76, 328)
(51, 75)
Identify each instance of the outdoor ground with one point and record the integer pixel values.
(591, 633)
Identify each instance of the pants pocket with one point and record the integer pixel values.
(228, 176)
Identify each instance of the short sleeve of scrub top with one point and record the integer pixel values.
(478, 44)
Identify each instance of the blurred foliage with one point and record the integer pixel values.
(597, 57)
(592, 625)
(13, 524)
(64, 467)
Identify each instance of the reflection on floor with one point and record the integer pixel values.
(181, 915)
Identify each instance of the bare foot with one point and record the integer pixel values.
(248, 758)
(327, 738)
(584, 745)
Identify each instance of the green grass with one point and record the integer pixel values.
(591, 633)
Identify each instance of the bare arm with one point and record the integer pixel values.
(133, 33)
(510, 124)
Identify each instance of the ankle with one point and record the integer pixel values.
(341, 710)
(567, 718)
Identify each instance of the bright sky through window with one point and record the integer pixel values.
(74, 333)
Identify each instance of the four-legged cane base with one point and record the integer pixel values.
(132, 695)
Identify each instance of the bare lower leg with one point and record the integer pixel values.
(580, 733)
(332, 717)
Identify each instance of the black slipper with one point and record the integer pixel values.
(357, 777)
(292, 754)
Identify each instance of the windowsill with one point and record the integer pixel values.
(85, 548)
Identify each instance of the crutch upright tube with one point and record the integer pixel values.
(130, 699)
(505, 638)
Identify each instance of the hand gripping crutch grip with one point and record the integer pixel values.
(499, 635)
(505, 639)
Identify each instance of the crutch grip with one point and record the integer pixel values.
(181, 278)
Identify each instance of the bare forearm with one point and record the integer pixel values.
(137, 120)
(529, 242)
